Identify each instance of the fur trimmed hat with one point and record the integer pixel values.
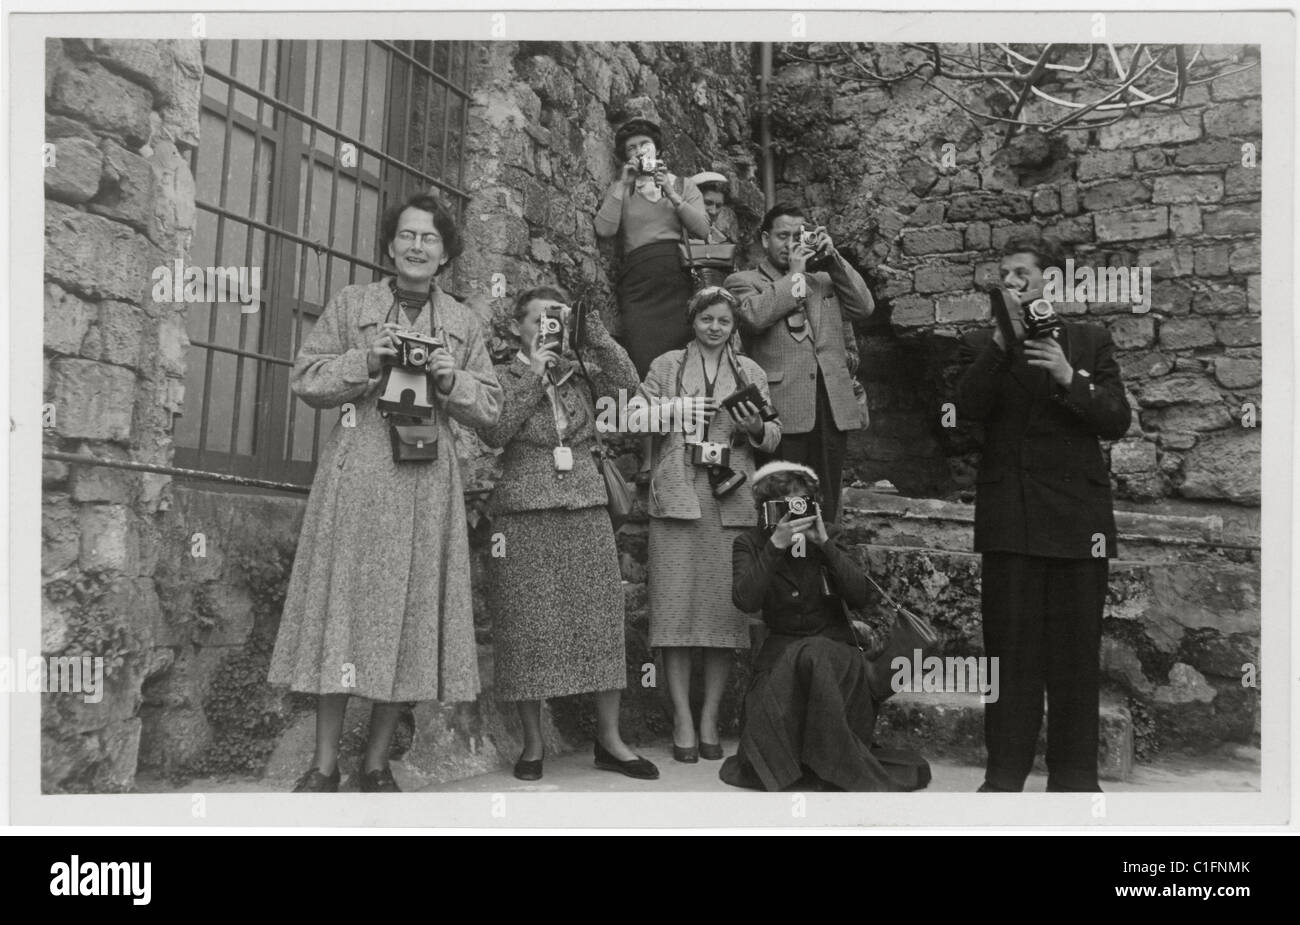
(781, 465)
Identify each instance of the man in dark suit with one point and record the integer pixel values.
(792, 320)
(1045, 525)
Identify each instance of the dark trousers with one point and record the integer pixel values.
(1042, 621)
(822, 450)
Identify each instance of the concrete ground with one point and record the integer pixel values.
(574, 773)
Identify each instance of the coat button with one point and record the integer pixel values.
(794, 593)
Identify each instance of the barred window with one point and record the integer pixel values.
(302, 146)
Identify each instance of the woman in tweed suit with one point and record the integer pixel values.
(556, 593)
(691, 529)
(379, 601)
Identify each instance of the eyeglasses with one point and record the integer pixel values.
(428, 239)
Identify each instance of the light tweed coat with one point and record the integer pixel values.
(380, 592)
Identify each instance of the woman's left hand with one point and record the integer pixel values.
(817, 533)
(664, 182)
(746, 416)
(443, 366)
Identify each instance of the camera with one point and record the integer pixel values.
(414, 350)
(551, 325)
(724, 480)
(807, 236)
(649, 163)
(710, 453)
(1041, 320)
(406, 387)
(750, 393)
(796, 506)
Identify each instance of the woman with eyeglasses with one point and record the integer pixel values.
(379, 603)
(647, 208)
(699, 503)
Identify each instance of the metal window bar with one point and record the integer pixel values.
(384, 171)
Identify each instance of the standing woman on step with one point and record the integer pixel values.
(647, 207)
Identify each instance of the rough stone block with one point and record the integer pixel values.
(1238, 332)
(1224, 466)
(1186, 333)
(1236, 85)
(1113, 194)
(1132, 455)
(67, 319)
(1101, 165)
(1132, 224)
(977, 236)
(1208, 152)
(1149, 159)
(1212, 260)
(1004, 233)
(1234, 120)
(1242, 181)
(1219, 302)
(957, 309)
(1232, 220)
(95, 256)
(74, 175)
(1151, 130)
(1133, 332)
(912, 311)
(92, 400)
(1197, 187)
(104, 99)
(942, 277)
(143, 61)
(1046, 201)
(1252, 293)
(1184, 221)
(1238, 373)
(107, 540)
(1186, 389)
(115, 338)
(936, 240)
(1077, 230)
(1245, 258)
(1168, 262)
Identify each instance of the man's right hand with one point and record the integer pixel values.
(629, 174)
(799, 257)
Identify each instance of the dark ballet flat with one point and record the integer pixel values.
(316, 782)
(688, 755)
(380, 781)
(711, 751)
(636, 767)
(529, 770)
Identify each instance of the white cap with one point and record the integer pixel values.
(782, 465)
(708, 176)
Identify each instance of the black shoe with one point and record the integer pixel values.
(636, 767)
(380, 781)
(688, 755)
(986, 787)
(316, 782)
(711, 751)
(529, 770)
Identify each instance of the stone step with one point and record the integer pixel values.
(951, 726)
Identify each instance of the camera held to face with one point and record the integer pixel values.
(552, 326)
(406, 387)
(1041, 320)
(796, 506)
(648, 163)
(807, 236)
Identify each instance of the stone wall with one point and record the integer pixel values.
(119, 200)
(923, 200)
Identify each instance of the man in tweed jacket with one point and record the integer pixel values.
(792, 321)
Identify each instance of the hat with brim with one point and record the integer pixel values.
(709, 176)
(777, 466)
(634, 127)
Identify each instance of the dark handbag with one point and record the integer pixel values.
(908, 633)
(708, 264)
(622, 498)
(414, 442)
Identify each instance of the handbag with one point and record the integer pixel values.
(708, 264)
(620, 495)
(414, 442)
(908, 633)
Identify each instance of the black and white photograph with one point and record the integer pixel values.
(638, 418)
